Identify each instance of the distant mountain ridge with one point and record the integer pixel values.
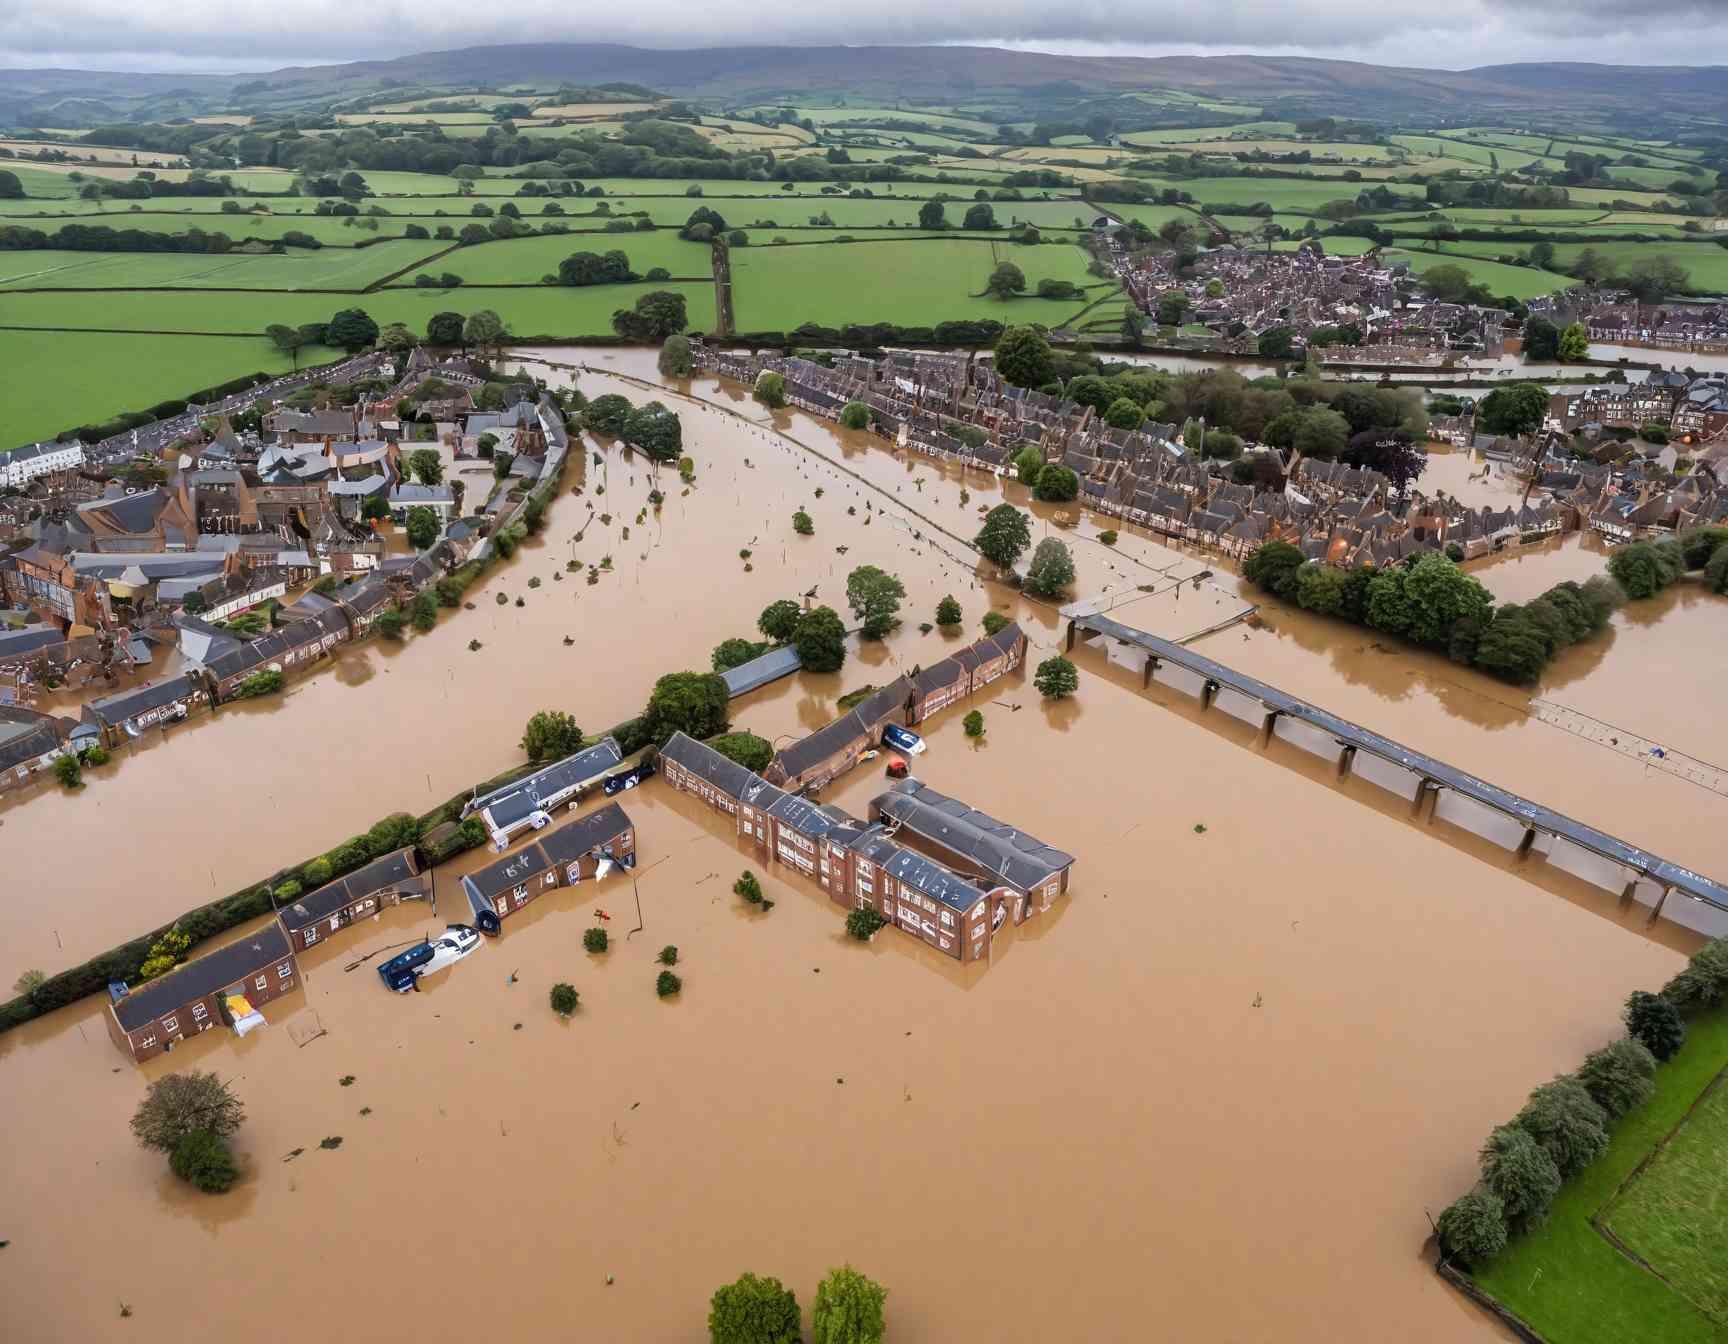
(771, 72)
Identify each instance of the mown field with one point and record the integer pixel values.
(325, 268)
(912, 283)
(1521, 282)
(1569, 1282)
(554, 312)
(51, 383)
(1705, 262)
(523, 261)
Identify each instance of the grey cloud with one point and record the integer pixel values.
(211, 34)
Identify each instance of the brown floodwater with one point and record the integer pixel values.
(1212, 1094)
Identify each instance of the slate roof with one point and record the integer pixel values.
(1017, 858)
(514, 802)
(151, 695)
(572, 840)
(207, 975)
(912, 869)
(26, 734)
(390, 870)
(862, 720)
(771, 666)
(704, 762)
(29, 638)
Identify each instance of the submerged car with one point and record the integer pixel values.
(902, 739)
(402, 972)
(628, 779)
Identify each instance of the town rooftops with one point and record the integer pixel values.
(859, 721)
(514, 803)
(569, 842)
(771, 666)
(207, 975)
(912, 869)
(140, 699)
(704, 762)
(1010, 854)
(391, 870)
(26, 639)
(26, 734)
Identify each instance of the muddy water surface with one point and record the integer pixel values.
(1105, 1106)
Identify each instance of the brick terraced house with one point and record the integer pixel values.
(159, 1014)
(320, 915)
(560, 857)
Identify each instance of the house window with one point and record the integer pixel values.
(285, 970)
(551, 879)
(171, 1024)
(145, 1042)
(521, 891)
(948, 918)
(199, 1010)
(263, 982)
(311, 936)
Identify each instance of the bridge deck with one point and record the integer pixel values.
(1354, 735)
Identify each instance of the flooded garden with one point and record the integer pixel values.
(1218, 1087)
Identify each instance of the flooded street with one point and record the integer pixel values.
(1215, 1089)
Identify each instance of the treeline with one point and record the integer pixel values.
(1430, 602)
(101, 238)
(147, 184)
(1566, 1124)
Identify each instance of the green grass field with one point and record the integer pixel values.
(522, 261)
(1565, 1279)
(50, 387)
(1521, 282)
(1280, 193)
(1706, 263)
(1674, 1216)
(779, 288)
(552, 312)
(327, 268)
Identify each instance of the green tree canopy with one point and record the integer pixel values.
(423, 527)
(675, 358)
(770, 389)
(484, 330)
(820, 638)
(1006, 534)
(203, 1160)
(1052, 568)
(731, 653)
(1655, 1023)
(689, 702)
(1513, 409)
(444, 329)
(608, 415)
(656, 430)
(848, 1309)
(656, 315)
(1124, 413)
(351, 329)
(1056, 484)
(1521, 1174)
(1056, 678)
(177, 1104)
(874, 596)
(948, 612)
(750, 751)
(779, 620)
(426, 466)
(550, 734)
(1574, 343)
(1473, 1227)
(1005, 281)
(1619, 1076)
(754, 1311)
(1023, 357)
(1565, 1120)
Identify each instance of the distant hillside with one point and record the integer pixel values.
(1292, 83)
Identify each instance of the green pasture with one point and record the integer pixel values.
(522, 261)
(1522, 282)
(911, 283)
(326, 268)
(552, 312)
(1705, 262)
(1570, 1283)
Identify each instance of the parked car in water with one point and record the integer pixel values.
(402, 972)
(902, 739)
(628, 779)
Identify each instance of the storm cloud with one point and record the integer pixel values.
(250, 35)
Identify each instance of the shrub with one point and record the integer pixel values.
(995, 621)
(748, 887)
(69, 772)
(178, 1104)
(754, 1311)
(316, 873)
(1108, 536)
(750, 751)
(1645, 568)
(1564, 1118)
(1521, 1174)
(848, 1309)
(668, 955)
(666, 984)
(1654, 1023)
(595, 940)
(564, 997)
(1473, 1228)
(1052, 566)
(973, 723)
(802, 525)
(1619, 1076)
(1704, 982)
(855, 415)
(202, 1159)
(779, 620)
(863, 922)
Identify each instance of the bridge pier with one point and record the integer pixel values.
(1422, 806)
(1147, 671)
(1656, 910)
(1207, 692)
(1523, 851)
(1266, 728)
(1069, 646)
(1346, 759)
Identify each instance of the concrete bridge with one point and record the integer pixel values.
(1434, 788)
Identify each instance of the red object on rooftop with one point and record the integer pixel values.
(896, 768)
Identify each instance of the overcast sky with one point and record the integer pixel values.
(251, 35)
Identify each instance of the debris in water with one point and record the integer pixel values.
(365, 1110)
(125, 1310)
(568, 641)
(608, 1280)
(346, 1080)
(474, 646)
(1199, 828)
(517, 1027)
(1257, 1001)
(841, 1082)
(332, 1143)
(296, 1153)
